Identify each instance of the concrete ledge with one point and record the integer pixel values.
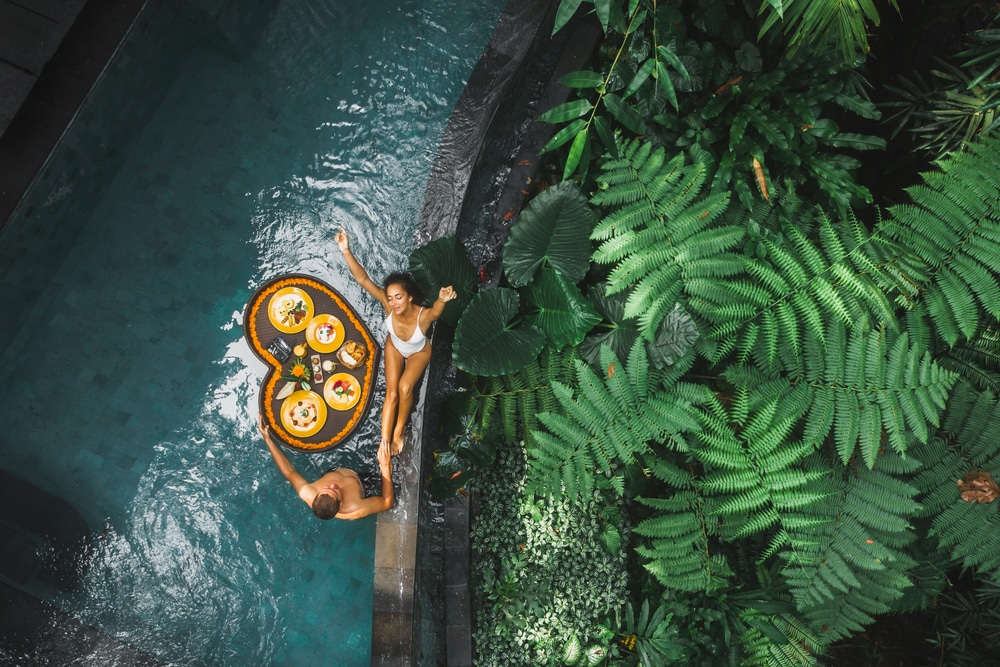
(463, 138)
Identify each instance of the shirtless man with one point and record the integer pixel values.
(338, 493)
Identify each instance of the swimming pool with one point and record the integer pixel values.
(224, 145)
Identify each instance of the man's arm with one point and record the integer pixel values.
(377, 504)
(298, 482)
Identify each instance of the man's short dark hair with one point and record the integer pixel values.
(325, 506)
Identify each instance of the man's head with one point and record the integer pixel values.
(325, 506)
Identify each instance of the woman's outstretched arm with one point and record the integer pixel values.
(358, 271)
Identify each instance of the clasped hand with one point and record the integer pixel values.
(447, 294)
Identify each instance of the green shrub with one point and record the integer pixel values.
(544, 570)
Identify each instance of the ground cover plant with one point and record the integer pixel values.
(772, 404)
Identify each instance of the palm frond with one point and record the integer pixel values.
(818, 22)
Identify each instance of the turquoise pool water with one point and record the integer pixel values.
(224, 145)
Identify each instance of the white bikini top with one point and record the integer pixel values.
(407, 347)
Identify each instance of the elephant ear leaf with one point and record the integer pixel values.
(440, 263)
(554, 229)
(486, 343)
(561, 311)
(674, 337)
(621, 333)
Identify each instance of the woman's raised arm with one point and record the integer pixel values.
(358, 271)
(445, 294)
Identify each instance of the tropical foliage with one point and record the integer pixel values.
(690, 75)
(817, 22)
(794, 401)
(954, 102)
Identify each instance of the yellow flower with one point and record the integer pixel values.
(298, 371)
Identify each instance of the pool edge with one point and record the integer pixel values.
(396, 534)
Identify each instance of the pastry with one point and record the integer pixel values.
(352, 354)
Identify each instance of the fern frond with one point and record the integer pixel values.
(660, 232)
(518, 397)
(754, 475)
(967, 442)
(852, 564)
(678, 553)
(760, 650)
(971, 532)
(977, 360)
(874, 383)
(782, 306)
(603, 423)
(953, 227)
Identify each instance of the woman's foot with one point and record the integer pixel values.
(397, 445)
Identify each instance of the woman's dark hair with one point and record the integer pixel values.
(325, 507)
(406, 281)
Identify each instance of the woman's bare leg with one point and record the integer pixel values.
(394, 364)
(415, 366)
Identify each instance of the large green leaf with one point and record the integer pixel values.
(562, 312)
(486, 343)
(674, 337)
(641, 76)
(625, 113)
(582, 79)
(554, 229)
(576, 154)
(663, 76)
(566, 111)
(440, 263)
(861, 142)
(564, 13)
(563, 135)
(748, 57)
(671, 57)
(620, 334)
(607, 136)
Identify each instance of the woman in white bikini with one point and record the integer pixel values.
(407, 350)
